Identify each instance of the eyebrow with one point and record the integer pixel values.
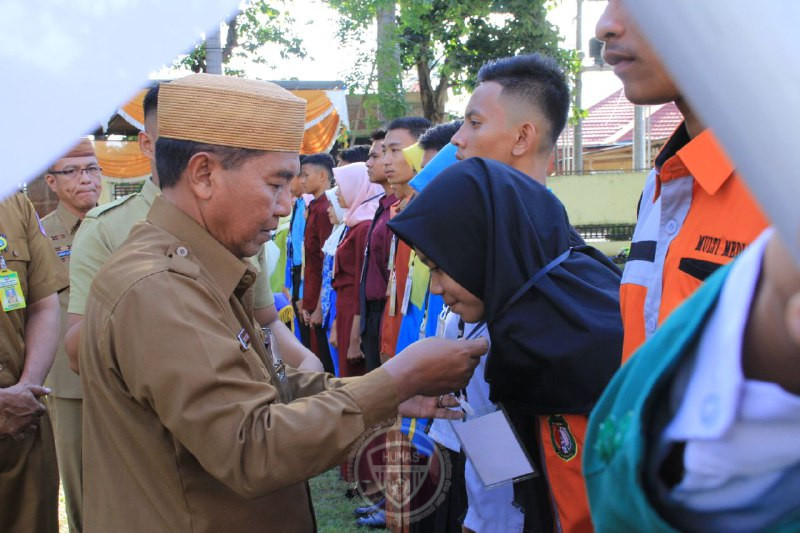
(472, 113)
(285, 174)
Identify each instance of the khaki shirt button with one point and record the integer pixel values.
(1, 367)
(15, 253)
(182, 251)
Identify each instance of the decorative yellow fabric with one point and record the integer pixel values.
(133, 111)
(120, 159)
(320, 137)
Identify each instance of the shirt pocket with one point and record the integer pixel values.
(698, 268)
(18, 258)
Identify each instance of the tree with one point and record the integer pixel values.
(245, 33)
(377, 72)
(447, 41)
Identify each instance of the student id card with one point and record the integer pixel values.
(11, 295)
(492, 446)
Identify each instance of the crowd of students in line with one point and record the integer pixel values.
(641, 398)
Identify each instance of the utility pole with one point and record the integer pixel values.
(213, 52)
(639, 145)
(578, 132)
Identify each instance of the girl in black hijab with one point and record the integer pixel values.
(551, 304)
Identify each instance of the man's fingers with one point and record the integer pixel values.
(448, 414)
(38, 391)
(476, 347)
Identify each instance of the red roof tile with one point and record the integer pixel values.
(610, 121)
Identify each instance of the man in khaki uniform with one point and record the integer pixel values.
(30, 277)
(106, 227)
(191, 423)
(75, 178)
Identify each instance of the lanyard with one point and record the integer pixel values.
(522, 290)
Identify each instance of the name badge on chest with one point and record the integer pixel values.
(11, 295)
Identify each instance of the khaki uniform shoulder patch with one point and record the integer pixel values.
(96, 212)
(180, 263)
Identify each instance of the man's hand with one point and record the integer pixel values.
(315, 318)
(305, 316)
(20, 409)
(430, 407)
(771, 349)
(435, 366)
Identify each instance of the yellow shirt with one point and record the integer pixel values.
(186, 423)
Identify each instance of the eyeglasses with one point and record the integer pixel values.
(92, 170)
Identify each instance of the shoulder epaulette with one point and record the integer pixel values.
(100, 209)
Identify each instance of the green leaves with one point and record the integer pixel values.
(447, 41)
(247, 32)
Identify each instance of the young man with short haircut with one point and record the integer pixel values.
(317, 175)
(515, 116)
(375, 274)
(400, 134)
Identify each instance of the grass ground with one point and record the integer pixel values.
(334, 511)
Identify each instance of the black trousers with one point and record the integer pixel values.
(371, 338)
(323, 350)
(450, 513)
(305, 332)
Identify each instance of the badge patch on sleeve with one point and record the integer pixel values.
(561, 436)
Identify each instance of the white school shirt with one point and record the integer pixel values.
(741, 435)
(490, 510)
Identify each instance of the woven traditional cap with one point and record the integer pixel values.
(228, 111)
(84, 148)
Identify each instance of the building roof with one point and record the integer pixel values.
(610, 121)
(304, 85)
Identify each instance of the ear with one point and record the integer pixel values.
(146, 145)
(201, 175)
(527, 142)
(51, 181)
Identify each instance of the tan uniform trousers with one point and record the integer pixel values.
(66, 415)
(29, 483)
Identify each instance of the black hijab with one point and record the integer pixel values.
(551, 302)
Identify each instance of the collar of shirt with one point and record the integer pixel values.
(712, 399)
(227, 270)
(149, 191)
(68, 218)
(321, 199)
(387, 201)
(702, 157)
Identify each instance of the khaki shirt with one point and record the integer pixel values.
(60, 226)
(104, 230)
(186, 424)
(30, 255)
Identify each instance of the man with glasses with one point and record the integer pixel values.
(75, 178)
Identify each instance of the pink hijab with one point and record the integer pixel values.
(360, 195)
